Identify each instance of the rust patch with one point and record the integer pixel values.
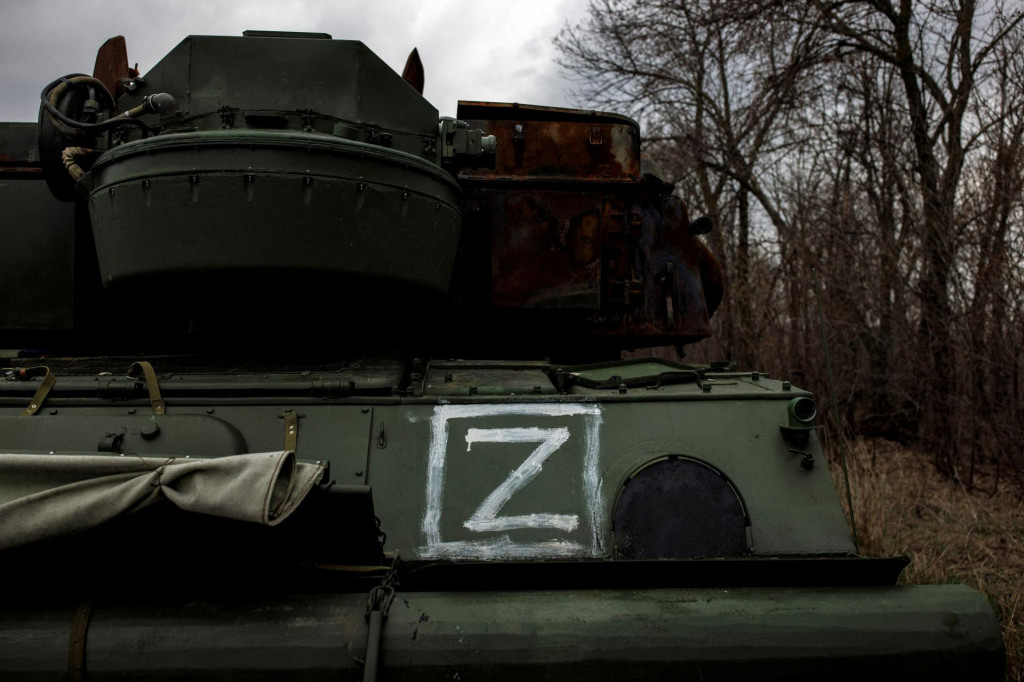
(112, 65)
(20, 171)
(574, 229)
(546, 248)
(624, 261)
(566, 145)
(413, 71)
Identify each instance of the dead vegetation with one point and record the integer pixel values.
(952, 533)
(861, 160)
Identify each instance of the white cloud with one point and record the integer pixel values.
(471, 50)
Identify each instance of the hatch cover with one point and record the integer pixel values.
(679, 508)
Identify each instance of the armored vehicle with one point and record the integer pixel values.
(305, 381)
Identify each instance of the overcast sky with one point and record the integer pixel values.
(483, 50)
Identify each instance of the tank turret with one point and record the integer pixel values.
(323, 183)
(213, 184)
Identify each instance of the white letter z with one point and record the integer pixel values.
(485, 517)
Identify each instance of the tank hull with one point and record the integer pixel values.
(278, 410)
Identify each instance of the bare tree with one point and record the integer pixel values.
(941, 52)
(716, 97)
(879, 142)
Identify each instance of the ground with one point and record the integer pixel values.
(952, 533)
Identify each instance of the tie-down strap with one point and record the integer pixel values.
(26, 373)
(156, 401)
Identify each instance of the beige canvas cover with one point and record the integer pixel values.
(49, 495)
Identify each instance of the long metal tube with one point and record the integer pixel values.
(878, 633)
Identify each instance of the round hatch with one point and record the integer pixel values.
(679, 508)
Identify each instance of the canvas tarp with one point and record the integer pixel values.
(44, 496)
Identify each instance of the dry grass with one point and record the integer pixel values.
(950, 533)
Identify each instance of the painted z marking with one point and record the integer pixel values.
(485, 518)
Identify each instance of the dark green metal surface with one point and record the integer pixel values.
(259, 82)
(37, 234)
(282, 238)
(893, 633)
(166, 213)
(430, 479)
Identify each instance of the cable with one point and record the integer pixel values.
(55, 90)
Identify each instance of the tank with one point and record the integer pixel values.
(304, 381)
